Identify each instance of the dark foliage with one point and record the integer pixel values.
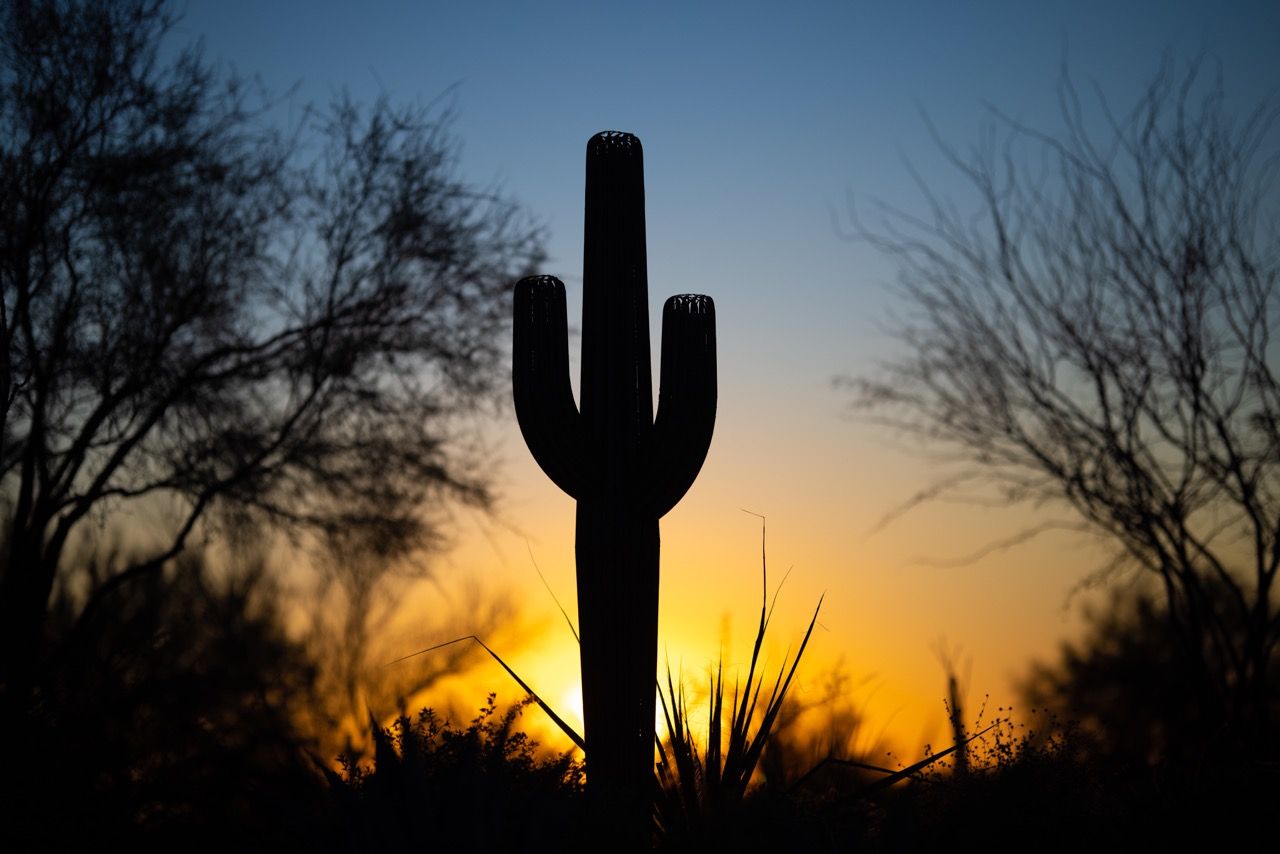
(1049, 788)
(168, 724)
(1124, 683)
(481, 788)
(1142, 716)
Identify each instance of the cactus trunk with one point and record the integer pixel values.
(625, 469)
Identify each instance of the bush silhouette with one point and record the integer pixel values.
(483, 787)
(166, 721)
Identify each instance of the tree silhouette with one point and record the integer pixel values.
(1099, 337)
(206, 319)
(170, 720)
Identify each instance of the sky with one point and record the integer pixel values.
(761, 123)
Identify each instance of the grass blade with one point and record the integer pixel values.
(564, 727)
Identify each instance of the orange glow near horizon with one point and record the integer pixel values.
(885, 614)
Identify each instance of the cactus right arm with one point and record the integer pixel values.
(543, 395)
(687, 400)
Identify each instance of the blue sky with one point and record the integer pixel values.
(759, 120)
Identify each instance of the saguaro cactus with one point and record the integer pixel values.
(625, 468)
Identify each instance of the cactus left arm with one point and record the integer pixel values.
(545, 409)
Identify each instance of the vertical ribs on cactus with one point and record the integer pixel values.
(625, 468)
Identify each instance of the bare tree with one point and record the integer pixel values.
(224, 321)
(1099, 336)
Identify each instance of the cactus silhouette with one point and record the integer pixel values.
(624, 468)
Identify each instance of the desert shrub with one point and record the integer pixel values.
(1023, 784)
(482, 787)
(166, 720)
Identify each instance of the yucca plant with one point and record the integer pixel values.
(700, 793)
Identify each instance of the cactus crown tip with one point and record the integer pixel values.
(539, 281)
(691, 303)
(614, 142)
(537, 286)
